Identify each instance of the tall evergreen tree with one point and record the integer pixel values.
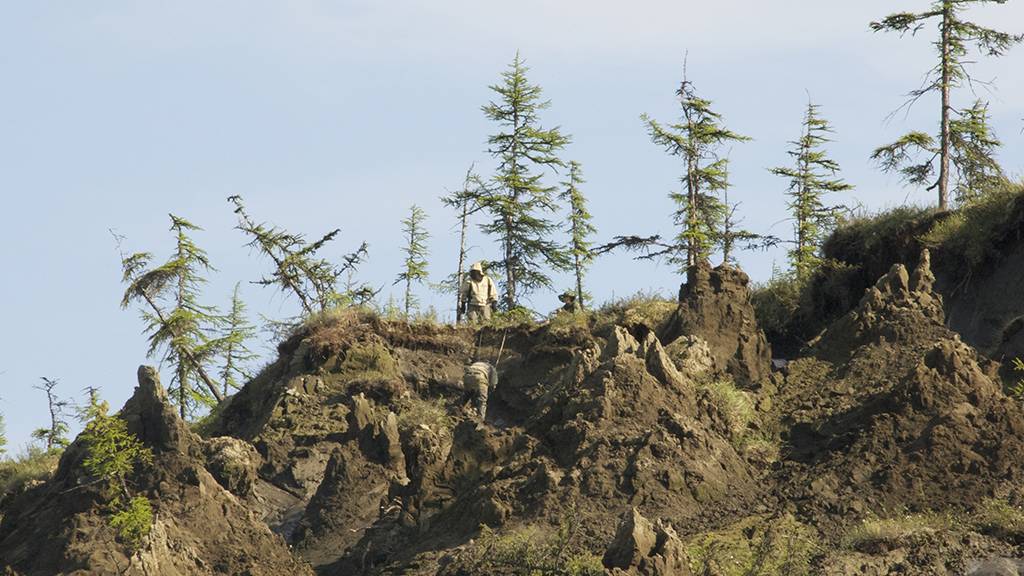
(812, 176)
(236, 332)
(56, 436)
(415, 266)
(298, 270)
(696, 139)
(466, 202)
(519, 202)
(180, 328)
(955, 36)
(579, 227)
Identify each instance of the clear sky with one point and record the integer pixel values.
(326, 114)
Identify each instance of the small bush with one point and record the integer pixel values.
(973, 232)
(132, 521)
(734, 404)
(756, 545)
(874, 532)
(414, 411)
(34, 464)
(776, 302)
(369, 360)
(1017, 389)
(531, 551)
(648, 308)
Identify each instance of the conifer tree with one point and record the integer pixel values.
(955, 36)
(519, 202)
(415, 266)
(974, 154)
(298, 270)
(3, 436)
(235, 352)
(732, 234)
(466, 202)
(179, 327)
(56, 436)
(812, 176)
(696, 139)
(579, 227)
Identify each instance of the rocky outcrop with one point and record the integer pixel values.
(199, 528)
(714, 304)
(645, 549)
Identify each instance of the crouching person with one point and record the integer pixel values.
(478, 379)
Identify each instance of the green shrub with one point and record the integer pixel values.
(369, 360)
(776, 302)
(414, 411)
(755, 545)
(1017, 389)
(648, 308)
(734, 404)
(972, 233)
(112, 453)
(35, 463)
(531, 551)
(133, 521)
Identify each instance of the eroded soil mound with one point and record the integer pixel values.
(62, 526)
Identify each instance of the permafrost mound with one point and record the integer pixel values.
(624, 446)
(199, 527)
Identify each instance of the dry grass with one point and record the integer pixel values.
(414, 411)
(875, 533)
(33, 464)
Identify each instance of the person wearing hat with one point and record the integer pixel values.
(569, 303)
(479, 296)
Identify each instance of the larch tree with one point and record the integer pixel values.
(579, 228)
(3, 436)
(519, 202)
(181, 330)
(298, 268)
(974, 148)
(414, 270)
(465, 202)
(915, 154)
(811, 177)
(697, 140)
(56, 435)
(235, 353)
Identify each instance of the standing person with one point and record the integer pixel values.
(478, 378)
(479, 296)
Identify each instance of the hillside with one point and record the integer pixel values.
(646, 438)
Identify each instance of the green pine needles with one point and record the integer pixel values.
(112, 454)
(298, 269)
(579, 228)
(811, 178)
(914, 155)
(414, 270)
(181, 330)
(235, 334)
(697, 140)
(518, 202)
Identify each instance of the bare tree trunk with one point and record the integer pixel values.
(947, 17)
(459, 277)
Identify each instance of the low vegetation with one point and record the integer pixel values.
(756, 545)
(414, 412)
(875, 533)
(34, 464)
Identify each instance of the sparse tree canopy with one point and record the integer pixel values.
(3, 436)
(298, 270)
(466, 202)
(579, 227)
(697, 140)
(914, 154)
(176, 322)
(974, 149)
(519, 202)
(236, 332)
(415, 267)
(56, 436)
(812, 176)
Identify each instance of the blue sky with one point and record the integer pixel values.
(342, 114)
